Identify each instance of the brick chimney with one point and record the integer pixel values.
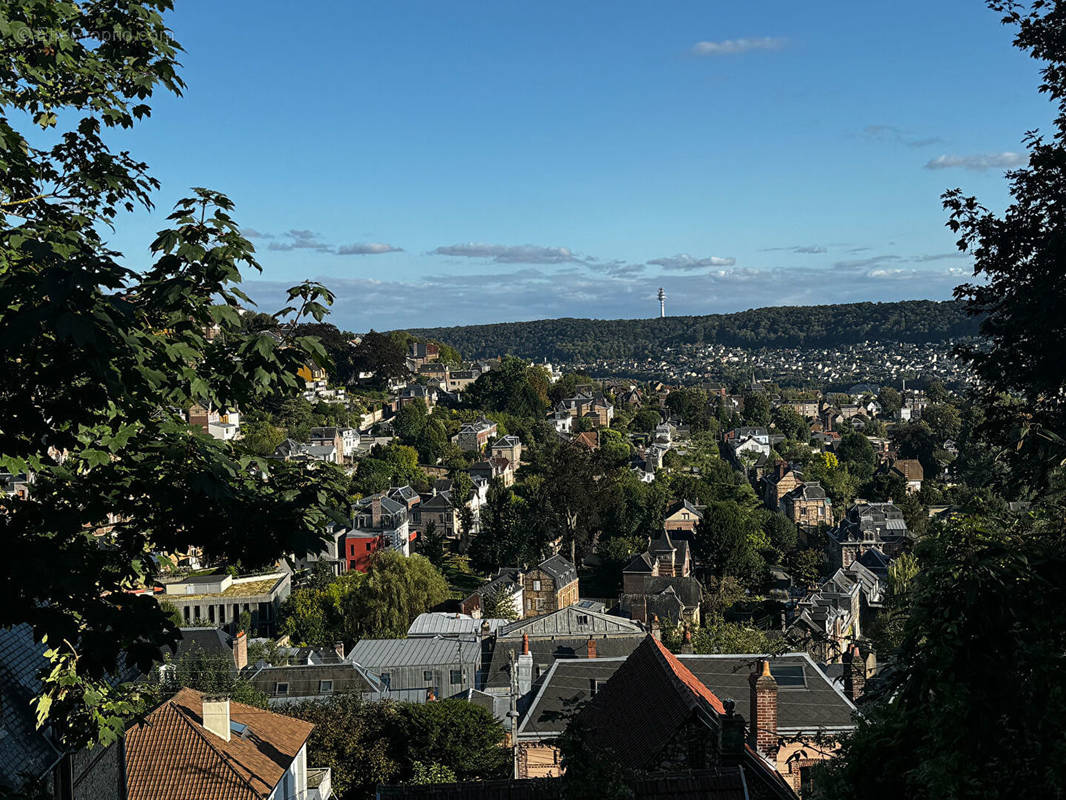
(338, 648)
(762, 730)
(525, 644)
(240, 650)
(375, 512)
(854, 673)
(590, 647)
(216, 715)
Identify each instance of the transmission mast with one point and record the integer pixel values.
(662, 303)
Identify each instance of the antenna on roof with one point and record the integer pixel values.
(662, 303)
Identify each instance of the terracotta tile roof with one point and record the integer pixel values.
(588, 439)
(171, 756)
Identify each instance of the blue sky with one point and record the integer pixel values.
(452, 163)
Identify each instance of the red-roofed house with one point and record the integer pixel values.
(195, 745)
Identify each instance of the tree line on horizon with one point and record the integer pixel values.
(571, 339)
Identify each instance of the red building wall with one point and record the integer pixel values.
(359, 549)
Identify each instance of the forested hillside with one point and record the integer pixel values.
(785, 326)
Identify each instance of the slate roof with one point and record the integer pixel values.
(545, 651)
(305, 680)
(375, 654)
(171, 756)
(388, 505)
(24, 751)
(649, 696)
(561, 570)
(817, 705)
(210, 641)
(575, 620)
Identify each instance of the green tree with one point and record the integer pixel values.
(381, 355)
(393, 592)
(726, 542)
(261, 438)
(211, 673)
(788, 421)
(890, 401)
(100, 360)
(857, 454)
(756, 409)
(645, 420)
(463, 737)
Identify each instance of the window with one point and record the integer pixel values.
(536, 586)
(368, 547)
(427, 675)
(540, 604)
(805, 781)
(386, 679)
(281, 688)
(456, 676)
(582, 619)
(325, 687)
(788, 676)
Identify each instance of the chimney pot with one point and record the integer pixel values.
(338, 648)
(525, 644)
(240, 650)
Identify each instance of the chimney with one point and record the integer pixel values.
(656, 629)
(216, 715)
(338, 648)
(525, 644)
(525, 670)
(485, 629)
(731, 733)
(375, 512)
(590, 647)
(762, 732)
(240, 650)
(686, 646)
(854, 673)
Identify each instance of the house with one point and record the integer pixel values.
(210, 748)
(212, 643)
(222, 425)
(808, 505)
(561, 420)
(220, 599)
(910, 469)
(810, 708)
(587, 440)
(291, 450)
(777, 483)
(495, 468)
(654, 715)
(359, 549)
(345, 440)
(15, 484)
(659, 583)
(683, 518)
(378, 515)
(549, 586)
(509, 447)
(416, 392)
(439, 510)
(297, 683)
(860, 390)
(828, 619)
(474, 436)
(747, 444)
(868, 526)
(411, 669)
(505, 584)
(459, 380)
(564, 634)
(332, 553)
(423, 352)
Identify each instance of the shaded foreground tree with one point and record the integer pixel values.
(98, 363)
(973, 703)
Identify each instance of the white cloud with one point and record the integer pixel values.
(367, 249)
(509, 254)
(685, 262)
(729, 47)
(977, 161)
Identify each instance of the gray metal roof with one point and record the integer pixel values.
(378, 654)
(442, 623)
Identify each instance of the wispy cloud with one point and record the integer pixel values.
(309, 240)
(685, 262)
(977, 161)
(801, 249)
(730, 47)
(897, 135)
(367, 249)
(509, 254)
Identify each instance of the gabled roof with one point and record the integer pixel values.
(644, 703)
(570, 621)
(171, 756)
(378, 654)
(560, 569)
